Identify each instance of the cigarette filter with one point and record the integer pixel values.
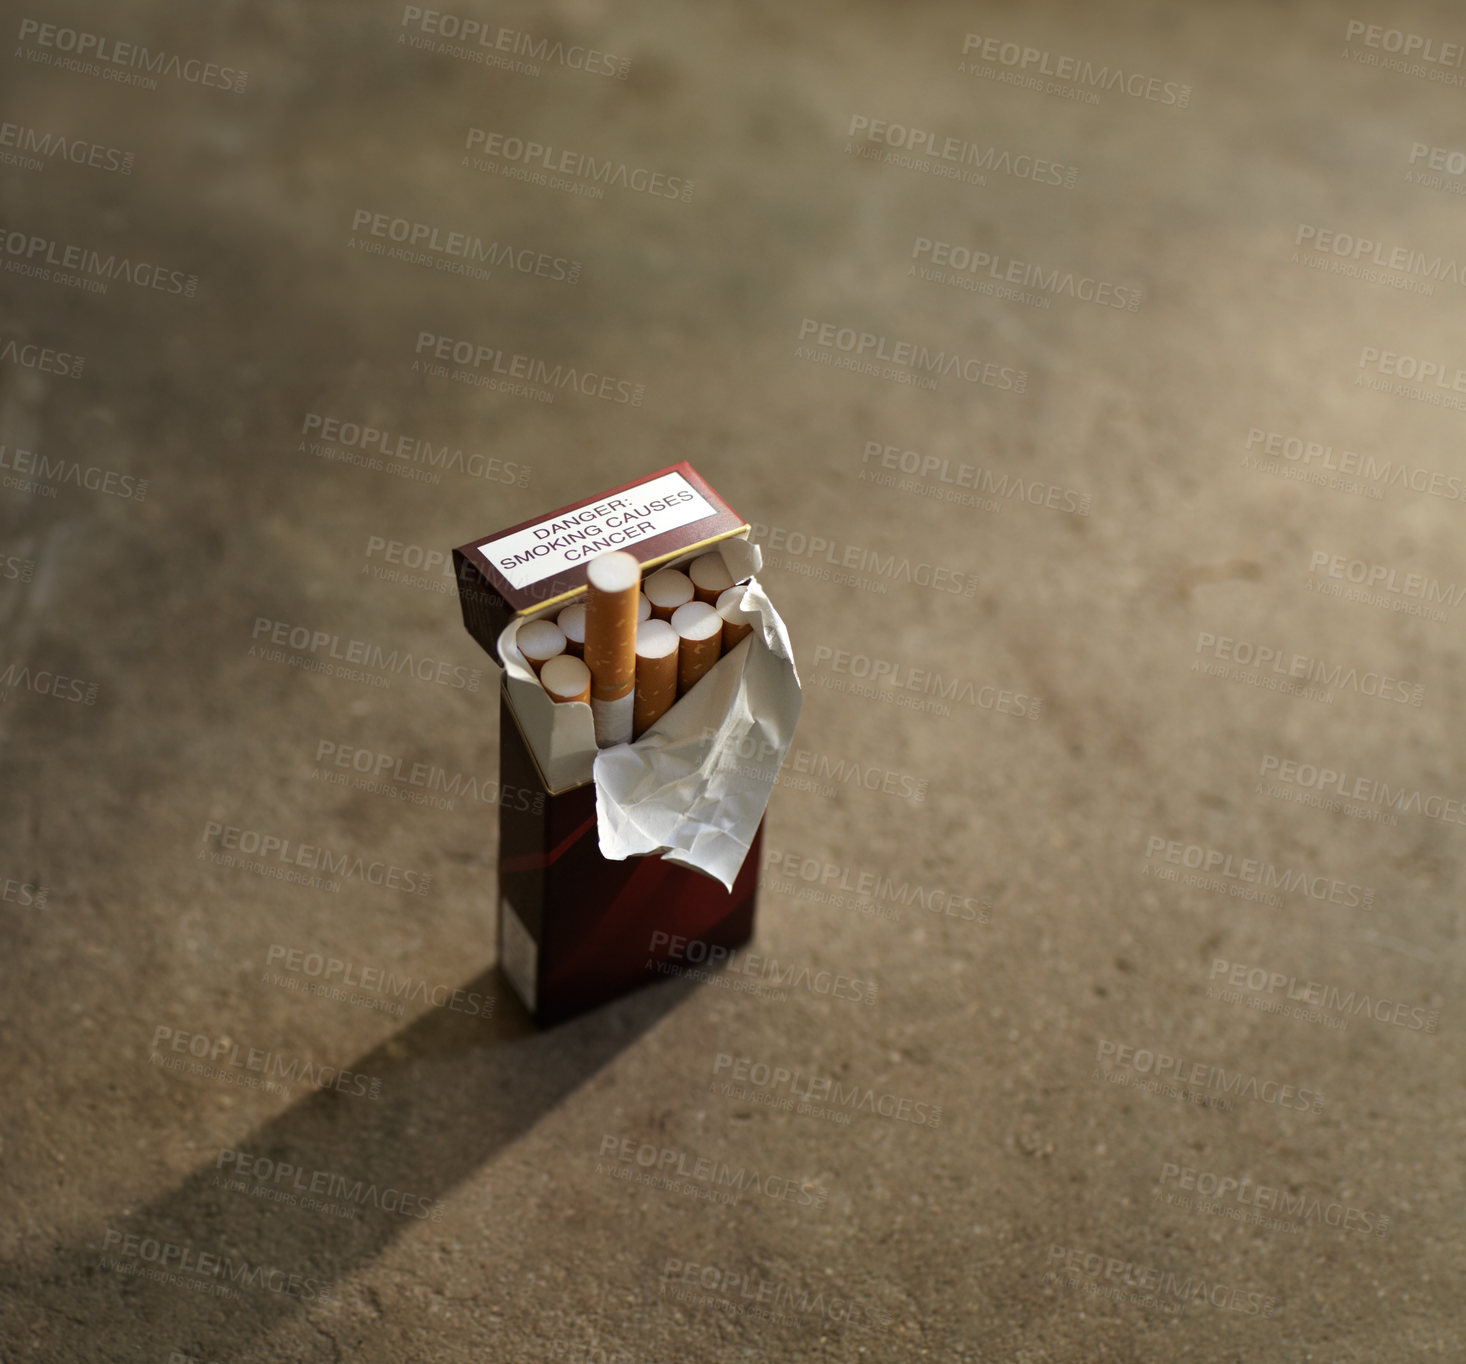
(566, 678)
(610, 642)
(643, 608)
(735, 627)
(700, 629)
(572, 624)
(710, 577)
(668, 590)
(656, 673)
(539, 641)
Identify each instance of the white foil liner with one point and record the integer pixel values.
(683, 789)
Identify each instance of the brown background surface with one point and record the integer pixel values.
(941, 1237)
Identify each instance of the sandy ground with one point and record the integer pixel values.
(1163, 1056)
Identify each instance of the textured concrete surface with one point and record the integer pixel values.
(1046, 1213)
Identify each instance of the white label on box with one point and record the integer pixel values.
(618, 522)
(520, 959)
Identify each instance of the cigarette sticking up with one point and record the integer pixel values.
(710, 577)
(656, 673)
(736, 622)
(610, 643)
(700, 628)
(566, 679)
(539, 641)
(572, 623)
(668, 590)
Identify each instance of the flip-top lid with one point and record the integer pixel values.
(528, 567)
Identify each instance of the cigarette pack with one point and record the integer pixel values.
(608, 854)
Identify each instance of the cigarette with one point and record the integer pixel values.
(668, 590)
(539, 641)
(710, 577)
(643, 608)
(566, 679)
(735, 623)
(656, 673)
(610, 642)
(700, 628)
(572, 623)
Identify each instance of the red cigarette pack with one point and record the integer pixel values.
(577, 929)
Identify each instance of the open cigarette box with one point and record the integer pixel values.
(611, 858)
